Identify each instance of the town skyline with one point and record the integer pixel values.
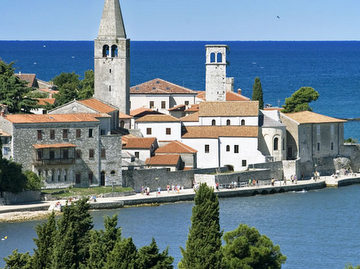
(161, 20)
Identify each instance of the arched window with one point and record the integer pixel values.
(102, 178)
(242, 122)
(212, 57)
(106, 51)
(276, 143)
(219, 57)
(228, 122)
(114, 51)
(122, 124)
(213, 122)
(112, 173)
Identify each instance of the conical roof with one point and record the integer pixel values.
(112, 24)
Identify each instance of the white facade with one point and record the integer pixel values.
(142, 153)
(182, 99)
(205, 159)
(223, 121)
(153, 101)
(160, 130)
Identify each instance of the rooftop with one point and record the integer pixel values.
(230, 96)
(46, 101)
(175, 147)
(47, 146)
(166, 160)
(158, 118)
(193, 108)
(178, 108)
(229, 109)
(97, 105)
(160, 86)
(194, 117)
(220, 131)
(138, 142)
(29, 78)
(304, 117)
(124, 116)
(48, 118)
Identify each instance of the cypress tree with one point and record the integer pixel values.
(149, 257)
(258, 93)
(203, 247)
(123, 256)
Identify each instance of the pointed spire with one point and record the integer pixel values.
(112, 24)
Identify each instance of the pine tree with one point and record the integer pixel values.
(299, 100)
(203, 247)
(149, 257)
(258, 93)
(18, 261)
(123, 256)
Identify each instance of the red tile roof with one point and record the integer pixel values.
(229, 109)
(29, 78)
(138, 142)
(46, 101)
(220, 131)
(48, 118)
(97, 105)
(158, 118)
(163, 160)
(304, 117)
(47, 146)
(124, 116)
(230, 96)
(194, 117)
(48, 91)
(139, 110)
(175, 147)
(193, 108)
(160, 86)
(177, 108)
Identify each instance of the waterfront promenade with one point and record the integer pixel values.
(25, 212)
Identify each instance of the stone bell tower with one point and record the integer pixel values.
(112, 59)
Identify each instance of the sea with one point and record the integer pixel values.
(331, 68)
(316, 229)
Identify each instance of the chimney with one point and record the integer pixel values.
(239, 91)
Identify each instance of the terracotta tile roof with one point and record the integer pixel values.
(48, 146)
(220, 131)
(175, 147)
(273, 108)
(304, 117)
(138, 142)
(188, 168)
(29, 78)
(97, 105)
(124, 116)
(48, 91)
(193, 108)
(194, 117)
(139, 110)
(177, 108)
(47, 118)
(157, 118)
(159, 160)
(230, 96)
(45, 101)
(160, 86)
(229, 109)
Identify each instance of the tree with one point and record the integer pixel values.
(68, 85)
(258, 93)
(203, 246)
(87, 85)
(33, 181)
(247, 248)
(14, 91)
(149, 257)
(299, 100)
(11, 177)
(18, 260)
(123, 256)
(350, 140)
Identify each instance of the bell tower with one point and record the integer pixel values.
(112, 59)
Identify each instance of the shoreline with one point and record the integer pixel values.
(39, 211)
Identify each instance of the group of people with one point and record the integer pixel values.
(174, 188)
(253, 182)
(145, 190)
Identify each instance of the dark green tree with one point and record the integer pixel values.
(18, 260)
(247, 248)
(46, 233)
(34, 182)
(299, 100)
(257, 94)
(11, 177)
(68, 85)
(87, 85)
(149, 257)
(203, 246)
(14, 91)
(123, 256)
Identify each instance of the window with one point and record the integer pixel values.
(112, 172)
(65, 133)
(318, 146)
(52, 155)
(39, 135)
(148, 131)
(109, 88)
(110, 71)
(283, 144)
(91, 154)
(207, 148)
(276, 143)
(78, 154)
(90, 132)
(137, 154)
(332, 146)
(163, 104)
(52, 134)
(168, 131)
(103, 153)
(219, 57)
(59, 175)
(227, 148)
(186, 103)
(213, 122)
(78, 133)
(52, 175)
(114, 51)
(77, 178)
(106, 51)
(212, 57)
(65, 174)
(228, 122)
(318, 129)
(91, 177)
(122, 124)
(242, 122)
(151, 104)
(236, 148)
(65, 154)
(39, 155)
(243, 163)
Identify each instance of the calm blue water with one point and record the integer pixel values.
(332, 68)
(316, 229)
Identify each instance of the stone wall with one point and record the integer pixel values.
(10, 198)
(275, 169)
(243, 176)
(352, 151)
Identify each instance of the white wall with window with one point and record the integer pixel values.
(207, 151)
(158, 102)
(160, 130)
(223, 121)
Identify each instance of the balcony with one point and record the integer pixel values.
(55, 161)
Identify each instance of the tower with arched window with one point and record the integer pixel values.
(112, 59)
(216, 72)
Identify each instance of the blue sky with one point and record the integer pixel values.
(184, 19)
